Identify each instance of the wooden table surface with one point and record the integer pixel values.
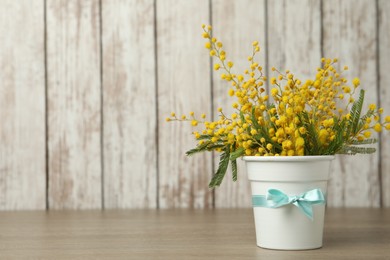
(180, 234)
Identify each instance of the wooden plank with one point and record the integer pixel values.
(129, 104)
(22, 105)
(349, 32)
(186, 234)
(294, 36)
(384, 83)
(183, 86)
(73, 67)
(237, 39)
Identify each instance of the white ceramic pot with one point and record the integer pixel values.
(287, 227)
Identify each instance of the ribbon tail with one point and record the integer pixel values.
(306, 208)
(314, 196)
(259, 201)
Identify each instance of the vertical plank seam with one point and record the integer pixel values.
(46, 105)
(321, 28)
(322, 40)
(266, 44)
(157, 129)
(378, 88)
(101, 104)
(213, 194)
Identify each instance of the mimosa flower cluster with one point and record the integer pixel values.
(319, 116)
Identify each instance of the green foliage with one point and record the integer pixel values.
(312, 144)
(352, 150)
(223, 165)
(208, 146)
(234, 169)
(356, 111)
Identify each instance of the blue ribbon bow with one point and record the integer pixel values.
(276, 198)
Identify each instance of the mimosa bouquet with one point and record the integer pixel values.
(319, 116)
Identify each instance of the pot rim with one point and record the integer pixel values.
(288, 158)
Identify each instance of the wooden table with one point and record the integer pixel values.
(180, 234)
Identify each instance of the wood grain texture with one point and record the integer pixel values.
(22, 105)
(384, 83)
(181, 234)
(349, 34)
(294, 36)
(237, 35)
(73, 69)
(183, 86)
(129, 105)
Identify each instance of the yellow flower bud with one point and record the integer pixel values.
(299, 142)
(367, 134)
(274, 92)
(378, 127)
(356, 82)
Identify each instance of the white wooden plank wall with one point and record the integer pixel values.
(74, 115)
(22, 105)
(183, 85)
(350, 34)
(86, 85)
(129, 104)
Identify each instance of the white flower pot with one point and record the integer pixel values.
(287, 227)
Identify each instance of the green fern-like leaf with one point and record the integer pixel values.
(352, 150)
(223, 165)
(312, 145)
(237, 153)
(234, 170)
(366, 141)
(203, 137)
(198, 149)
(254, 120)
(356, 111)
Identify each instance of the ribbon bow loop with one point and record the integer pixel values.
(276, 198)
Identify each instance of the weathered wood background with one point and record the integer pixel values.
(86, 85)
